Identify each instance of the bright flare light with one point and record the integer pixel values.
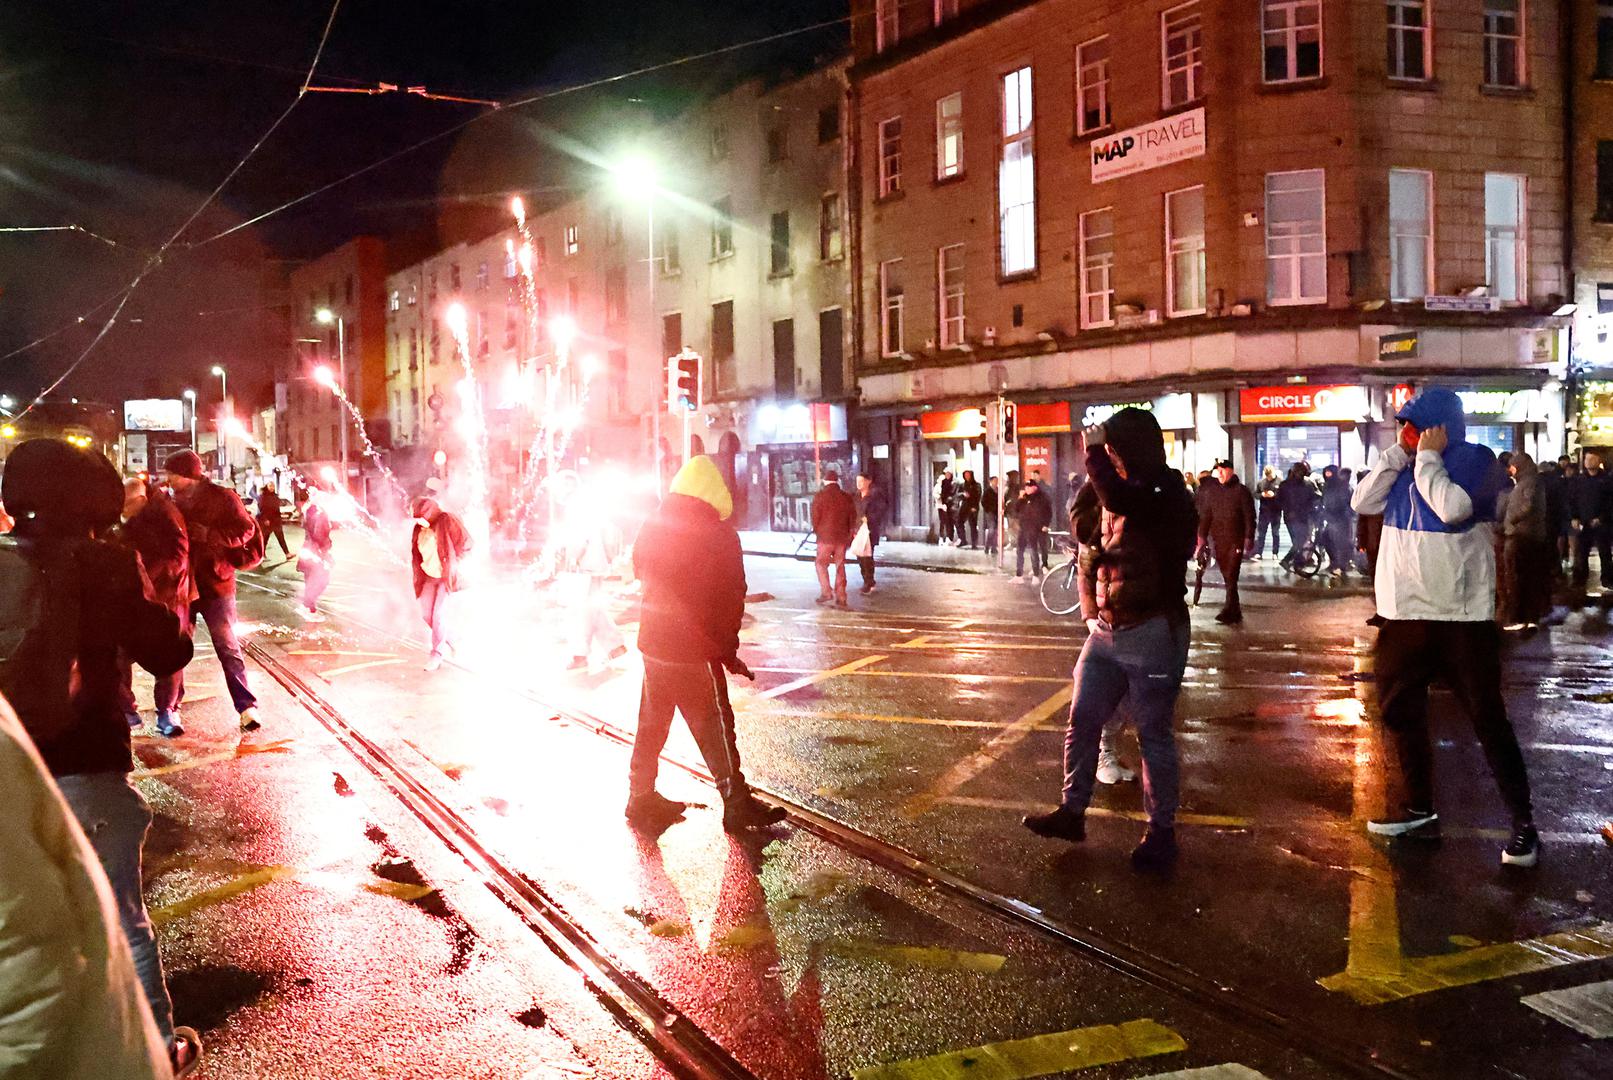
(328, 474)
(635, 177)
(324, 316)
(563, 328)
(190, 395)
(217, 370)
(524, 257)
(234, 428)
(325, 377)
(458, 321)
(591, 366)
(440, 458)
(518, 209)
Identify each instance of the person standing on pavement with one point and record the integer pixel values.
(1035, 516)
(270, 520)
(1338, 520)
(437, 547)
(1436, 593)
(1270, 518)
(61, 674)
(154, 527)
(1554, 482)
(1524, 596)
(1227, 532)
(689, 560)
(943, 505)
(223, 537)
(988, 508)
(872, 510)
(315, 562)
(834, 521)
(1133, 594)
(969, 508)
(1299, 505)
(1590, 501)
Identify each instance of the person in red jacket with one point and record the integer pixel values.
(834, 520)
(689, 560)
(221, 529)
(154, 527)
(438, 544)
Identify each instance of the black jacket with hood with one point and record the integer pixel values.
(693, 570)
(1135, 566)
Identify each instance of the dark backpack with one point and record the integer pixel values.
(39, 635)
(250, 554)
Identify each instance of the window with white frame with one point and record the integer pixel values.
(1182, 55)
(887, 24)
(1505, 250)
(512, 261)
(780, 261)
(722, 228)
(668, 252)
(1291, 39)
(949, 137)
(481, 276)
(718, 140)
(944, 10)
(1185, 292)
(890, 156)
(1092, 86)
(1097, 246)
(1410, 43)
(831, 231)
(397, 300)
(1503, 43)
(1296, 237)
(573, 239)
(890, 308)
(1016, 176)
(1411, 233)
(949, 294)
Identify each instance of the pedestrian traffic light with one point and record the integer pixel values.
(683, 382)
(1010, 422)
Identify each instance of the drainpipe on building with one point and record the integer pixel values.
(1567, 45)
(851, 159)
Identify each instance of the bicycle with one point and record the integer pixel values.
(1309, 556)
(1060, 591)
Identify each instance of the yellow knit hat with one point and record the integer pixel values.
(700, 479)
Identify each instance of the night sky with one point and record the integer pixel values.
(120, 117)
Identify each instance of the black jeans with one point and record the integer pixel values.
(1229, 559)
(1601, 536)
(1037, 542)
(1465, 656)
(1272, 522)
(700, 693)
(969, 523)
(865, 563)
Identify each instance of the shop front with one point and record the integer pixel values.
(1507, 419)
(795, 445)
(1173, 411)
(1319, 425)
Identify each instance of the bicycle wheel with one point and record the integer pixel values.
(1308, 563)
(1060, 590)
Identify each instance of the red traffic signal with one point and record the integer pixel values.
(683, 382)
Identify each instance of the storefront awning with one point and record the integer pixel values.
(1045, 419)
(1303, 404)
(953, 424)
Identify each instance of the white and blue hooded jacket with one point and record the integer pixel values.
(1436, 560)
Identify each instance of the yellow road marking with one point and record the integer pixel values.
(280, 746)
(1041, 1055)
(1211, 821)
(220, 893)
(333, 672)
(817, 677)
(916, 956)
(977, 762)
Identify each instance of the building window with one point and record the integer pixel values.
(890, 156)
(453, 277)
(512, 262)
(396, 301)
(540, 253)
(719, 142)
(347, 290)
(512, 324)
(1016, 182)
(1409, 54)
(722, 228)
(1097, 242)
(1291, 39)
(722, 346)
(668, 253)
(414, 295)
(1411, 233)
(573, 239)
(890, 308)
(1182, 67)
(887, 24)
(1092, 86)
(949, 299)
(779, 232)
(828, 124)
(671, 334)
(1185, 292)
(949, 137)
(481, 277)
(1296, 237)
(1604, 180)
(1503, 43)
(831, 237)
(1604, 40)
(778, 144)
(945, 10)
(1505, 249)
(784, 379)
(613, 225)
(616, 295)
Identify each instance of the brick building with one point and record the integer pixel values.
(1265, 221)
(1589, 91)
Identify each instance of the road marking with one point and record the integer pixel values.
(242, 883)
(333, 672)
(1212, 821)
(1042, 679)
(1041, 1055)
(280, 746)
(977, 762)
(1587, 1009)
(1214, 1072)
(817, 677)
(916, 956)
(335, 652)
(882, 718)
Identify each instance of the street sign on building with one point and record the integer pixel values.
(1462, 303)
(1150, 146)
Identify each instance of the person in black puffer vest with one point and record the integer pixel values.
(1133, 594)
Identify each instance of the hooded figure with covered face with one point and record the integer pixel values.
(693, 572)
(1436, 595)
(1133, 594)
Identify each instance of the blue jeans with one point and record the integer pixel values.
(115, 817)
(219, 614)
(1141, 667)
(434, 609)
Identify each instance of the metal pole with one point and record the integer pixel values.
(656, 349)
(341, 355)
(1002, 492)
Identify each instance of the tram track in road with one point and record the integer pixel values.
(634, 1004)
(1217, 1000)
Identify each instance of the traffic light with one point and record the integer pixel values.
(1010, 422)
(683, 382)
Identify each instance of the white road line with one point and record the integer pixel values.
(1214, 1072)
(1587, 1009)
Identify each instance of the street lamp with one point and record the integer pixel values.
(325, 316)
(190, 396)
(636, 177)
(223, 403)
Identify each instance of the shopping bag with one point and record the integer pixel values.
(862, 545)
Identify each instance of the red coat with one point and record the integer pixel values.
(158, 533)
(219, 523)
(834, 515)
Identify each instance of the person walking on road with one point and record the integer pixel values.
(1436, 593)
(872, 509)
(316, 562)
(988, 508)
(1590, 501)
(969, 509)
(834, 521)
(154, 527)
(689, 560)
(1226, 532)
(437, 547)
(943, 505)
(224, 538)
(1086, 529)
(1299, 501)
(270, 520)
(1035, 516)
(1270, 510)
(1133, 593)
(70, 605)
(1338, 520)
(1524, 597)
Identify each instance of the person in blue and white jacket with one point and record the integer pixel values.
(1436, 594)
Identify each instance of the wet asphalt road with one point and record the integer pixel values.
(316, 928)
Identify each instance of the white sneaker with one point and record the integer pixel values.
(249, 720)
(312, 616)
(1110, 771)
(434, 661)
(1017, 578)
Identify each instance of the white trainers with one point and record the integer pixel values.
(249, 720)
(434, 661)
(1110, 771)
(312, 616)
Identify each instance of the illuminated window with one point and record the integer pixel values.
(573, 239)
(949, 299)
(890, 306)
(949, 136)
(831, 235)
(1097, 242)
(1016, 176)
(1185, 291)
(722, 228)
(1296, 237)
(1411, 233)
(890, 156)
